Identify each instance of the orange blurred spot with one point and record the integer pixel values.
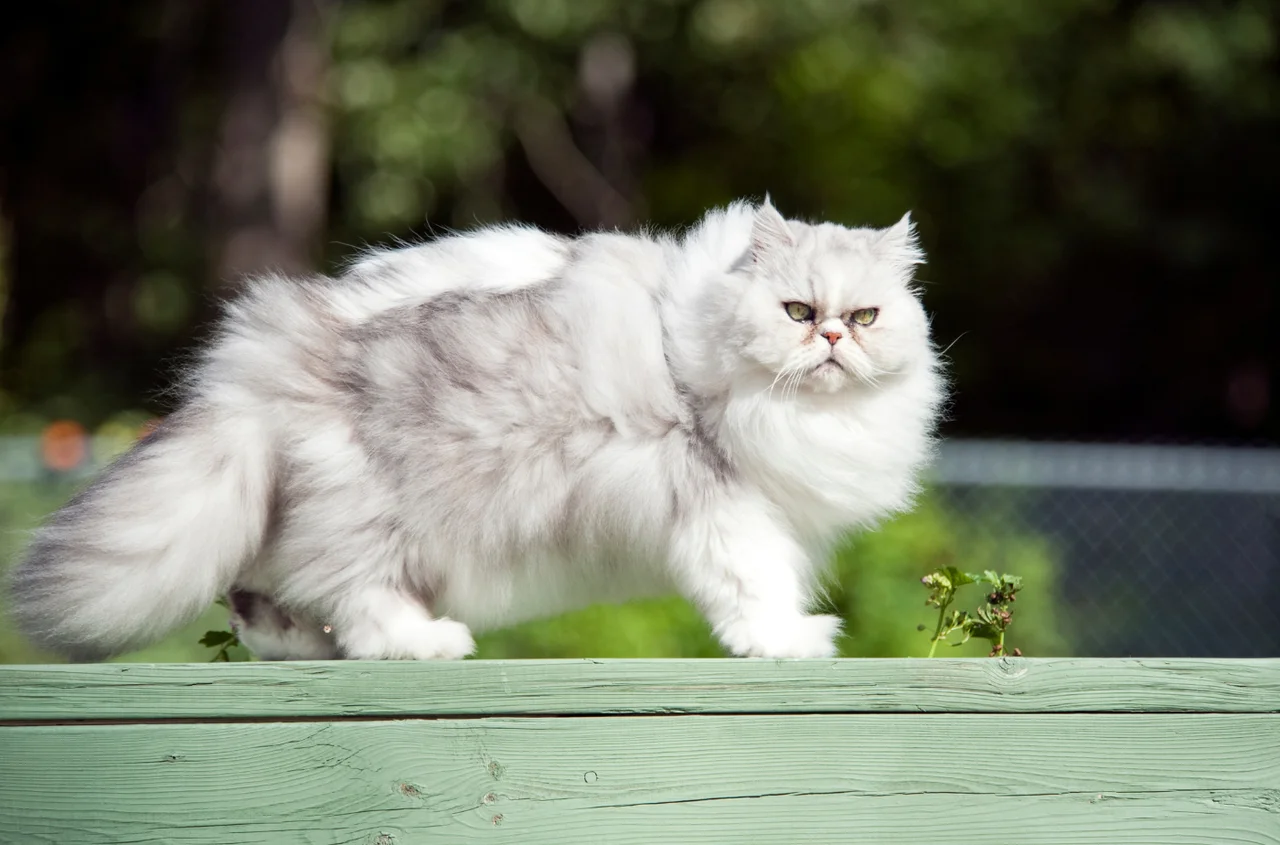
(148, 427)
(64, 445)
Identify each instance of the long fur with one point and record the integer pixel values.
(505, 424)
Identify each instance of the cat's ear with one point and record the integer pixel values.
(770, 234)
(899, 242)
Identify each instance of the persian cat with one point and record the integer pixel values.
(506, 424)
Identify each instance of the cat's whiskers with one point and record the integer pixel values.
(785, 374)
(951, 344)
(779, 375)
(871, 379)
(793, 383)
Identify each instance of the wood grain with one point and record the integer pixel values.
(583, 687)
(966, 778)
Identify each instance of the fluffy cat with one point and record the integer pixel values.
(506, 424)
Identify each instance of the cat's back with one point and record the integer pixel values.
(493, 260)
(512, 326)
(292, 337)
(603, 276)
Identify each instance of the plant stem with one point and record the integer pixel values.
(223, 654)
(937, 632)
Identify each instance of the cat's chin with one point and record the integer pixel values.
(828, 377)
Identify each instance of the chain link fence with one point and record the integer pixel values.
(1161, 551)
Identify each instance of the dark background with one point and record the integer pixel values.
(1096, 182)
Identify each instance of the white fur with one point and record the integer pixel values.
(499, 258)
(506, 424)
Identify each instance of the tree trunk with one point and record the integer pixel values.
(270, 174)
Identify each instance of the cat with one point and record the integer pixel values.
(505, 424)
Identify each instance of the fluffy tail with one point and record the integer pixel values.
(152, 542)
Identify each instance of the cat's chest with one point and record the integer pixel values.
(827, 470)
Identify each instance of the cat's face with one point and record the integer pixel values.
(824, 308)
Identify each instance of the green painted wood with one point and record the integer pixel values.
(1064, 779)
(585, 687)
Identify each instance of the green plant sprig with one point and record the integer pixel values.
(988, 622)
(223, 641)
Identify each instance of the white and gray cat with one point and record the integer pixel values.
(506, 424)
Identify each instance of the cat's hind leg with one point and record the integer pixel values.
(270, 632)
(377, 622)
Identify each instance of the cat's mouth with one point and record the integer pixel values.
(830, 362)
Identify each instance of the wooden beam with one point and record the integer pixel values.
(584, 687)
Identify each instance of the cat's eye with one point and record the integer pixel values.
(798, 311)
(864, 316)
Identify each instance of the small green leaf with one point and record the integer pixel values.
(213, 639)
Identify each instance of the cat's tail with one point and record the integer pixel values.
(153, 541)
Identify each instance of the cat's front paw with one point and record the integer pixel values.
(783, 636)
(411, 637)
(450, 640)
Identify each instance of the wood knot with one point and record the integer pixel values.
(1011, 667)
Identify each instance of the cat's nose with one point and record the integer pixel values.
(832, 337)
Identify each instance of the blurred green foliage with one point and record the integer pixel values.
(1118, 153)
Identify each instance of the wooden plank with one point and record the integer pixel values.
(984, 778)
(583, 687)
